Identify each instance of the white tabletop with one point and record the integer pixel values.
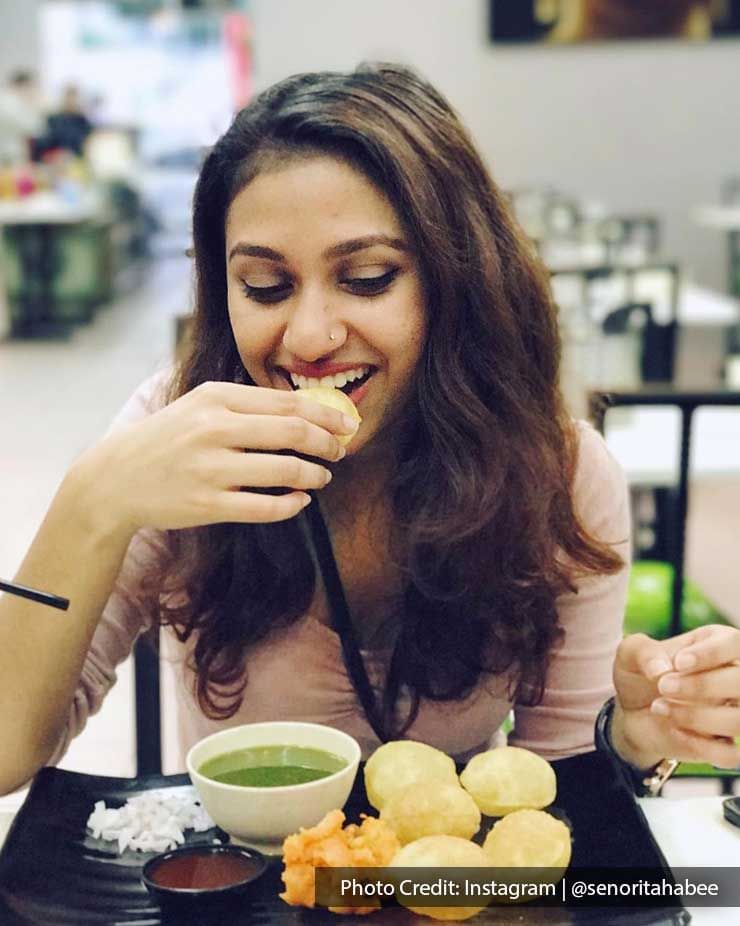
(49, 208)
(646, 443)
(691, 833)
(721, 218)
(694, 833)
(700, 306)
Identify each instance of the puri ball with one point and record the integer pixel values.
(530, 839)
(508, 778)
(334, 398)
(400, 763)
(443, 852)
(431, 808)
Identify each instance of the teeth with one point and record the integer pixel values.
(336, 382)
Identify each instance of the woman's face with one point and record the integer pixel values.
(313, 249)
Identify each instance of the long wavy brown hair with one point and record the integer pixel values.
(481, 495)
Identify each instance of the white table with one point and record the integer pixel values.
(721, 218)
(690, 832)
(699, 306)
(48, 208)
(646, 443)
(694, 832)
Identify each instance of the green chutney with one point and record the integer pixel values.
(271, 766)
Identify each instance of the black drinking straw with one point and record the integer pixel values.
(22, 591)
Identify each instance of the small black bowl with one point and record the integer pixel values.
(212, 871)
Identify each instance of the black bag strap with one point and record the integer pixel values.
(341, 619)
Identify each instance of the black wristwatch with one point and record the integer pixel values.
(644, 782)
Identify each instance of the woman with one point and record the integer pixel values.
(345, 227)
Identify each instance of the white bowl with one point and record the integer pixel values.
(263, 817)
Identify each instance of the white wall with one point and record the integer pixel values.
(19, 36)
(643, 126)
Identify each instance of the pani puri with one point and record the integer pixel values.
(400, 763)
(431, 808)
(508, 778)
(530, 839)
(334, 398)
(446, 852)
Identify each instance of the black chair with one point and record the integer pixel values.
(687, 403)
(608, 298)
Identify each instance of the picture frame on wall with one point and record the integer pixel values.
(569, 22)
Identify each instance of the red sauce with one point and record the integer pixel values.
(204, 870)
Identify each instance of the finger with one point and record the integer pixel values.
(719, 646)
(640, 654)
(689, 746)
(271, 432)
(706, 720)
(258, 400)
(709, 685)
(253, 508)
(266, 470)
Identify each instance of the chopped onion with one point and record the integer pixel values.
(150, 822)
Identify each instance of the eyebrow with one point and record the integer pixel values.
(338, 250)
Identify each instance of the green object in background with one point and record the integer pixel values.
(649, 602)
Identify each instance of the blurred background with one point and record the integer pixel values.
(612, 129)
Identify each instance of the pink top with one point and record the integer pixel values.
(578, 682)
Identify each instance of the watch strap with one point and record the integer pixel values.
(643, 782)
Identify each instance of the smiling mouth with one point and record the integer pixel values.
(347, 388)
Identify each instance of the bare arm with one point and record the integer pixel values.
(183, 466)
(75, 554)
(579, 676)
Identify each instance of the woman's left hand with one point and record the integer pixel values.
(679, 698)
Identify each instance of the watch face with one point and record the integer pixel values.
(661, 773)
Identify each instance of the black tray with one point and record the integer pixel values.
(53, 873)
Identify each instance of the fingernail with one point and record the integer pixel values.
(660, 707)
(658, 666)
(685, 661)
(351, 424)
(669, 684)
(306, 501)
(342, 453)
(328, 475)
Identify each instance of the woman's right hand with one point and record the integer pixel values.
(195, 461)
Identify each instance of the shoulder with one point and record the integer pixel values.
(599, 483)
(595, 463)
(149, 397)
